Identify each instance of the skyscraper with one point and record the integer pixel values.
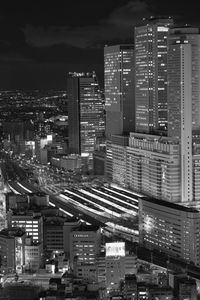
(167, 102)
(184, 98)
(151, 75)
(119, 95)
(180, 110)
(85, 113)
(183, 46)
(119, 89)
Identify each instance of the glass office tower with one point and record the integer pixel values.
(119, 89)
(85, 113)
(151, 75)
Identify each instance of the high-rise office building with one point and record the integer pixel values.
(180, 39)
(85, 113)
(184, 97)
(119, 95)
(151, 75)
(119, 89)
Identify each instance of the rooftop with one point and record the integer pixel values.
(170, 205)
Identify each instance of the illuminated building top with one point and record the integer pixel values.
(82, 74)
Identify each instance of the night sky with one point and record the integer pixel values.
(41, 41)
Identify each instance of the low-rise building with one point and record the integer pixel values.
(12, 252)
(33, 255)
(171, 228)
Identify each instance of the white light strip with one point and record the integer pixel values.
(63, 197)
(87, 223)
(66, 212)
(23, 187)
(125, 190)
(121, 208)
(12, 189)
(119, 200)
(102, 208)
(97, 205)
(111, 191)
(122, 228)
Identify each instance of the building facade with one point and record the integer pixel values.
(85, 113)
(12, 242)
(119, 89)
(151, 75)
(148, 164)
(33, 255)
(33, 224)
(184, 98)
(85, 245)
(171, 228)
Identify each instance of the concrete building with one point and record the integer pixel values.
(69, 225)
(171, 228)
(31, 222)
(118, 264)
(21, 291)
(70, 162)
(85, 245)
(54, 234)
(153, 166)
(12, 242)
(148, 164)
(33, 255)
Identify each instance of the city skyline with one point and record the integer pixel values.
(41, 44)
(100, 170)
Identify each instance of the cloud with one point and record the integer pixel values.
(130, 14)
(117, 25)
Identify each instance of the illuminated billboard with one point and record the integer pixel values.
(115, 249)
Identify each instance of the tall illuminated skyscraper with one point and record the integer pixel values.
(119, 89)
(184, 100)
(151, 75)
(85, 113)
(119, 95)
(180, 39)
